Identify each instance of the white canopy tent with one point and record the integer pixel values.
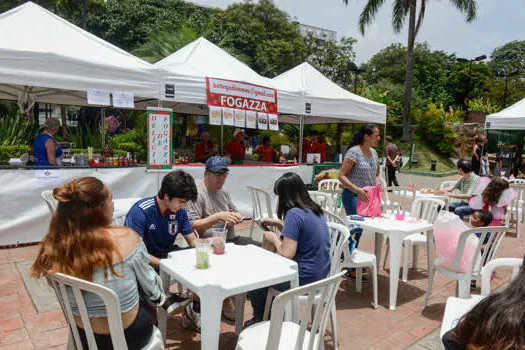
(329, 102)
(511, 118)
(45, 58)
(188, 68)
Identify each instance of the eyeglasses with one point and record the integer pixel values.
(221, 173)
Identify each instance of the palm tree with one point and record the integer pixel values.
(400, 10)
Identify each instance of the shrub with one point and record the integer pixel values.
(435, 127)
(14, 151)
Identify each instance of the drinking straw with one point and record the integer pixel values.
(224, 228)
(196, 233)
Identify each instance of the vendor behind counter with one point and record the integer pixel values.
(266, 150)
(236, 149)
(46, 149)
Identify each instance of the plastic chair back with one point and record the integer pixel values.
(339, 235)
(51, 202)
(447, 184)
(327, 289)
(488, 269)
(325, 200)
(62, 283)
(261, 203)
(331, 217)
(398, 197)
(489, 252)
(330, 185)
(427, 209)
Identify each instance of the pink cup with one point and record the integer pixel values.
(400, 216)
(411, 186)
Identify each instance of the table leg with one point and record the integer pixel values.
(211, 307)
(430, 250)
(162, 315)
(395, 262)
(378, 246)
(240, 300)
(295, 302)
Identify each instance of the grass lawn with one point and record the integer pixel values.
(424, 155)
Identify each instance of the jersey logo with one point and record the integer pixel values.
(152, 226)
(172, 216)
(173, 227)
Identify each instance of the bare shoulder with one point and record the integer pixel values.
(126, 239)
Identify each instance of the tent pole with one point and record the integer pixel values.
(384, 150)
(222, 138)
(102, 126)
(301, 131)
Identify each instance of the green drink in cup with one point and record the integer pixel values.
(202, 251)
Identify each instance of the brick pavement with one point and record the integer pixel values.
(360, 326)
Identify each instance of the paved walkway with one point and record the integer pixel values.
(360, 326)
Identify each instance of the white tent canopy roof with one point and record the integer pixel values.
(511, 118)
(329, 102)
(188, 68)
(61, 61)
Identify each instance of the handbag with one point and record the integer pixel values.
(372, 208)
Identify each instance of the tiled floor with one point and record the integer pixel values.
(360, 326)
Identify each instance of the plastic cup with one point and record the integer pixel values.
(202, 252)
(411, 186)
(400, 216)
(219, 240)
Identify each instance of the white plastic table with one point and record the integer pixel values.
(454, 309)
(239, 270)
(395, 230)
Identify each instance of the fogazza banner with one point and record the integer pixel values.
(238, 95)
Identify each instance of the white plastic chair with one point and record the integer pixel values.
(335, 188)
(51, 202)
(456, 307)
(358, 259)
(324, 200)
(475, 266)
(261, 205)
(397, 198)
(339, 235)
(447, 184)
(516, 208)
(62, 283)
(276, 334)
(425, 209)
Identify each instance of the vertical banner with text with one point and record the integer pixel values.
(159, 137)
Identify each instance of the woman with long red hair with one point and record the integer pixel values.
(82, 243)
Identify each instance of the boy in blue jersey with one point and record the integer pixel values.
(159, 219)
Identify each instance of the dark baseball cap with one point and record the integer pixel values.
(214, 164)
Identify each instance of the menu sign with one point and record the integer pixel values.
(239, 95)
(273, 122)
(227, 116)
(159, 122)
(251, 119)
(215, 115)
(240, 118)
(262, 121)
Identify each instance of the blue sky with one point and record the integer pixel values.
(444, 28)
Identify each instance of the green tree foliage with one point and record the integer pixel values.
(509, 59)
(478, 83)
(331, 58)
(264, 33)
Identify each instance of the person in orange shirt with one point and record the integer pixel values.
(320, 147)
(205, 149)
(266, 150)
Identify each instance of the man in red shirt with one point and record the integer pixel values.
(320, 147)
(236, 148)
(308, 143)
(265, 150)
(205, 149)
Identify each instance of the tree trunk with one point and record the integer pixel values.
(339, 134)
(63, 116)
(409, 71)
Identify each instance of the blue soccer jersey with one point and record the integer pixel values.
(158, 230)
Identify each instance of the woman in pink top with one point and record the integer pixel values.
(493, 195)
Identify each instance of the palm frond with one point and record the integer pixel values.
(420, 17)
(367, 15)
(469, 7)
(399, 14)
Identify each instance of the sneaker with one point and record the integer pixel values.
(193, 316)
(173, 302)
